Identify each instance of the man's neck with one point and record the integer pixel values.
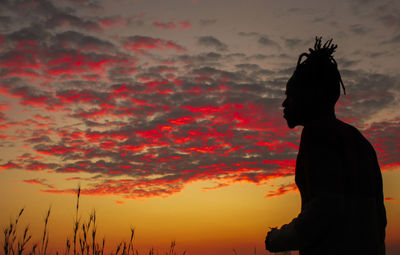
(320, 117)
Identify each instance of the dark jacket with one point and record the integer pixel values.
(340, 182)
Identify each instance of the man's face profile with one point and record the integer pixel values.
(293, 105)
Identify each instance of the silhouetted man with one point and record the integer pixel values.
(337, 171)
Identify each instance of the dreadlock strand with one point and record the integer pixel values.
(341, 83)
(318, 41)
(339, 76)
(327, 44)
(301, 56)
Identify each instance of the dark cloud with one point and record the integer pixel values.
(207, 22)
(293, 42)
(360, 7)
(257, 57)
(5, 21)
(248, 34)
(388, 14)
(266, 41)
(209, 59)
(368, 93)
(394, 40)
(210, 41)
(248, 66)
(68, 20)
(39, 139)
(81, 41)
(390, 20)
(359, 29)
(34, 32)
(346, 62)
(47, 13)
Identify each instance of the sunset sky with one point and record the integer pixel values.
(168, 114)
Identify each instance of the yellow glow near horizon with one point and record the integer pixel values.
(236, 216)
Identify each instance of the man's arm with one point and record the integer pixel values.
(323, 165)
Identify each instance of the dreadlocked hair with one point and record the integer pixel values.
(318, 73)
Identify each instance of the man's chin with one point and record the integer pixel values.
(291, 124)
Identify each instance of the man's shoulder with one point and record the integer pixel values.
(330, 130)
(347, 131)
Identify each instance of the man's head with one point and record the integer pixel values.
(314, 87)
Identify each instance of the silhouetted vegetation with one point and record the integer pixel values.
(84, 240)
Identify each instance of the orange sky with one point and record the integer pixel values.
(200, 221)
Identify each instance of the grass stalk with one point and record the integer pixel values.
(10, 235)
(118, 248)
(25, 239)
(67, 246)
(234, 251)
(45, 237)
(94, 229)
(101, 251)
(76, 222)
(130, 246)
(171, 248)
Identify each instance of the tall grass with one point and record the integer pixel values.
(84, 238)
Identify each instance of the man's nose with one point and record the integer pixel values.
(284, 103)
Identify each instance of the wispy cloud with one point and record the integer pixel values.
(210, 41)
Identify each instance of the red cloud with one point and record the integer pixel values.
(182, 120)
(94, 113)
(20, 61)
(55, 150)
(28, 98)
(75, 63)
(37, 166)
(282, 190)
(128, 188)
(144, 43)
(76, 96)
(165, 25)
(10, 165)
(39, 101)
(112, 21)
(287, 163)
(38, 182)
(219, 185)
(185, 24)
(41, 118)
(23, 61)
(171, 25)
(244, 116)
(4, 106)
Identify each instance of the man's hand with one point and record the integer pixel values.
(269, 240)
(284, 239)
